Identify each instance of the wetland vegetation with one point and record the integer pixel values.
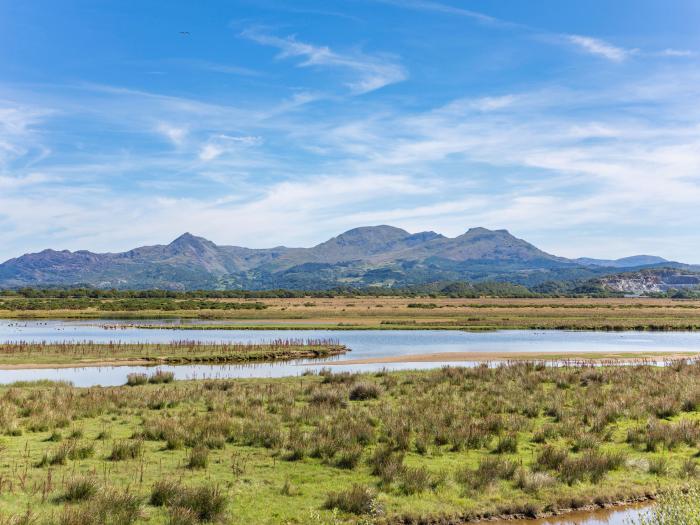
(30, 354)
(441, 446)
(364, 313)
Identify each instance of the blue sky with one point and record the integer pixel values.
(575, 125)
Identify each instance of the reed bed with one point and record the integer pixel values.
(172, 353)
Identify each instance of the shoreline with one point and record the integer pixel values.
(587, 511)
(582, 357)
(439, 357)
(178, 360)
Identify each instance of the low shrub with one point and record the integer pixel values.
(79, 489)
(198, 458)
(161, 376)
(364, 391)
(207, 503)
(356, 500)
(136, 379)
(164, 492)
(123, 450)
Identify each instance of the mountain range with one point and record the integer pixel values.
(366, 256)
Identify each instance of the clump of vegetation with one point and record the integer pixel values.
(80, 489)
(364, 391)
(204, 503)
(136, 379)
(675, 507)
(126, 449)
(199, 458)
(111, 506)
(161, 376)
(164, 492)
(355, 500)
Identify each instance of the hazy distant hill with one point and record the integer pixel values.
(625, 262)
(376, 255)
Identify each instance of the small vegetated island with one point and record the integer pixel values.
(35, 355)
(449, 446)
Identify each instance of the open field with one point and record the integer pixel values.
(390, 313)
(35, 355)
(443, 446)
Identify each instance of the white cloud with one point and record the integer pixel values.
(595, 46)
(425, 5)
(176, 134)
(222, 143)
(210, 152)
(676, 53)
(372, 72)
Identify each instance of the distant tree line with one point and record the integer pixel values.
(457, 289)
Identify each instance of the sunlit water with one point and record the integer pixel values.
(620, 516)
(363, 344)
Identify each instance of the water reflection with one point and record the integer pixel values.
(619, 516)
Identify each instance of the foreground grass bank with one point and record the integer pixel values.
(447, 445)
(32, 355)
(388, 313)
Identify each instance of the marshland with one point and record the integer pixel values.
(449, 445)
(359, 438)
(369, 312)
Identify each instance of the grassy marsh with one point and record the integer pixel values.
(379, 313)
(447, 445)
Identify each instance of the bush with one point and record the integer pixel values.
(198, 458)
(688, 469)
(136, 379)
(532, 482)
(507, 444)
(122, 450)
(329, 397)
(658, 466)
(386, 464)
(206, 503)
(79, 489)
(111, 507)
(490, 469)
(415, 480)
(161, 377)
(364, 391)
(348, 457)
(164, 492)
(550, 458)
(356, 500)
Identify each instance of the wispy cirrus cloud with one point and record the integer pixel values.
(670, 52)
(585, 43)
(598, 47)
(426, 5)
(372, 72)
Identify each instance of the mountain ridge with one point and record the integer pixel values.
(380, 255)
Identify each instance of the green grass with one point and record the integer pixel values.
(454, 443)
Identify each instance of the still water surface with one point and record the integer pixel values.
(363, 344)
